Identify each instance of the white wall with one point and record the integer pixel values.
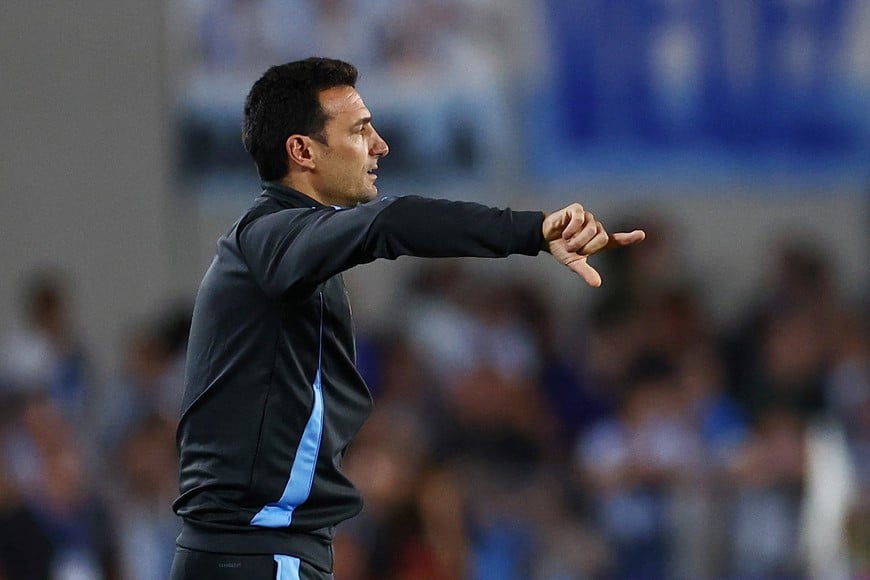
(83, 157)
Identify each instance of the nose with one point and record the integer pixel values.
(379, 146)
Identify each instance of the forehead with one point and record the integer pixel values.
(343, 104)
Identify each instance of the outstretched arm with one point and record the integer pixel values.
(572, 234)
(293, 250)
(299, 248)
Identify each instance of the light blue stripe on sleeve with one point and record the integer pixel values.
(288, 567)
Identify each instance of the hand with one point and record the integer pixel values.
(572, 234)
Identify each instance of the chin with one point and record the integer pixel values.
(359, 198)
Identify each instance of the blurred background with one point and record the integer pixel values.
(704, 414)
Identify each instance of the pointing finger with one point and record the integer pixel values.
(622, 239)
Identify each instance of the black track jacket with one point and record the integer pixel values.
(272, 395)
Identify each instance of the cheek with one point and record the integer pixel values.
(354, 154)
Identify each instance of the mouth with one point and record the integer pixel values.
(373, 172)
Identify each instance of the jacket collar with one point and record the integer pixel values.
(281, 192)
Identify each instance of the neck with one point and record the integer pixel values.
(303, 186)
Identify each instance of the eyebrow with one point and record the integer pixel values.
(363, 121)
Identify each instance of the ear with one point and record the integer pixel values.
(299, 151)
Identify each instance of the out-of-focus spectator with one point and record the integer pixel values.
(798, 294)
(707, 403)
(25, 548)
(632, 464)
(500, 420)
(572, 394)
(848, 384)
(462, 323)
(769, 477)
(438, 547)
(701, 500)
(147, 470)
(46, 464)
(679, 318)
(795, 351)
(439, 324)
(388, 460)
(152, 380)
(45, 354)
(503, 439)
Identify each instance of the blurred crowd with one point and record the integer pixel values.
(235, 38)
(639, 436)
(87, 471)
(464, 89)
(439, 75)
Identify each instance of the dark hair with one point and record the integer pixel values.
(285, 101)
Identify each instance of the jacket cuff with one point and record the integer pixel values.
(528, 236)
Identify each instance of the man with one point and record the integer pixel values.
(273, 397)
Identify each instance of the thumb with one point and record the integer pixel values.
(587, 272)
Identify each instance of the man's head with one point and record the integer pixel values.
(306, 125)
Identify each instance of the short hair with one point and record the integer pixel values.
(285, 101)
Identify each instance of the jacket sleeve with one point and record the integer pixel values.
(296, 249)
